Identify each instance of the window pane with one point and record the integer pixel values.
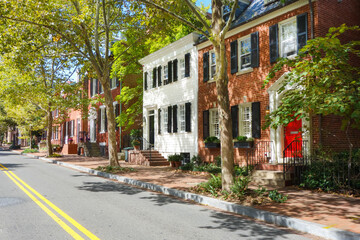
(288, 39)
(165, 124)
(213, 64)
(182, 118)
(214, 118)
(182, 68)
(245, 53)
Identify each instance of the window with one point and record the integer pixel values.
(166, 74)
(165, 110)
(245, 53)
(214, 122)
(101, 90)
(288, 38)
(245, 119)
(212, 64)
(182, 118)
(94, 87)
(72, 128)
(113, 83)
(182, 68)
(102, 119)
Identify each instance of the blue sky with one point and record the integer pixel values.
(205, 2)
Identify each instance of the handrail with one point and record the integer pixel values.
(260, 153)
(148, 144)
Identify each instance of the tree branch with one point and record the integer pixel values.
(181, 19)
(231, 17)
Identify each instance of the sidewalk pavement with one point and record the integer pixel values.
(325, 215)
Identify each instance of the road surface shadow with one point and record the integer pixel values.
(109, 187)
(12, 166)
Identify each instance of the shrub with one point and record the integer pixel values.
(114, 169)
(30, 151)
(240, 171)
(212, 139)
(187, 167)
(55, 155)
(240, 185)
(218, 161)
(241, 138)
(14, 147)
(213, 185)
(175, 158)
(196, 160)
(277, 197)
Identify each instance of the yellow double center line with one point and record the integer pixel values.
(25, 187)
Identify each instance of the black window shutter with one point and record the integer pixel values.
(105, 120)
(159, 76)
(175, 64)
(154, 78)
(206, 66)
(187, 65)
(301, 21)
(234, 56)
(254, 49)
(274, 45)
(110, 81)
(145, 80)
(117, 112)
(188, 117)
(170, 72)
(169, 118)
(117, 82)
(235, 120)
(99, 119)
(206, 126)
(159, 121)
(97, 86)
(91, 87)
(256, 120)
(174, 108)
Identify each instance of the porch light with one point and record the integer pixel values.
(267, 109)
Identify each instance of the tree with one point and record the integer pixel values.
(325, 81)
(215, 32)
(87, 27)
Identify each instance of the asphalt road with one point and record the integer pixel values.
(108, 210)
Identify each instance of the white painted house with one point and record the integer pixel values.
(170, 98)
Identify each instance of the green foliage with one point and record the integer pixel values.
(213, 185)
(28, 150)
(135, 142)
(218, 161)
(277, 197)
(54, 155)
(240, 185)
(329, 171)
(241, 138)
(321, 80)
(241, 171)
(175, 158)
(212, 139)
(260, 191)
(196, 160)
(14, 147)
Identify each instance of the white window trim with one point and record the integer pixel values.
(241, 122)
(165, 120)
(167, 75)
(292, 19)
(113, 83)
(182, 119)
(245, 70)
(102, 119)
(182, 68)
(211, 124)
(211, 78)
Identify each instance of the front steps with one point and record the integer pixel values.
(270, 176)
(89, 149)
(147, 158)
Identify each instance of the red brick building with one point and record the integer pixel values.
(264, 31)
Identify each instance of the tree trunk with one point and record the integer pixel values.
(113, 158)
(49, 132)
(225, 124)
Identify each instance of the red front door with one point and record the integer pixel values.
(293, 132)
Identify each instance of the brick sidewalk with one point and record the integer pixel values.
(333, 211)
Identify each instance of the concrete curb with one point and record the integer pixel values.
(269, 217)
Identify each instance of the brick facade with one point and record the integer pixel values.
(246, 87)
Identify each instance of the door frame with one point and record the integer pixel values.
(277, 135)
(151, 113)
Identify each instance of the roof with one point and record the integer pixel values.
(254, 10)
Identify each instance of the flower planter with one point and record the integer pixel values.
(212, 145)
(243, 144)
(137, 147)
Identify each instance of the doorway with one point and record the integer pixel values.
(293, 132)
(152, 127)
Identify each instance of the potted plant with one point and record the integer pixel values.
(243, 142)
(70, 140)
(136, 144)
(212, 142)
(175, 160)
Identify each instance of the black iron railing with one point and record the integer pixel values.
(296, 156)
(83, 137)
(260, 153)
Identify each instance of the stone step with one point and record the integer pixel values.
(159, 163)
(268, 174)
(269, 183)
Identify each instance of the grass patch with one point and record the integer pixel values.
(30, 151)
(114, 169)
(55, 155)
